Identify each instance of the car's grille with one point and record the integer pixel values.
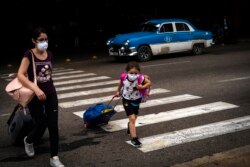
(116, 48)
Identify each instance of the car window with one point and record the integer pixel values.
(148, 27)
(166, 28)
(181, 27)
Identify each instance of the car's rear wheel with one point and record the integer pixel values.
(197, 49)
(144, 53)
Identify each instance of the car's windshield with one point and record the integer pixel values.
(148, 27)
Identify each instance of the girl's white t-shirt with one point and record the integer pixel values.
(129, 90)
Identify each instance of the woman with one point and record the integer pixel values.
(44, 106)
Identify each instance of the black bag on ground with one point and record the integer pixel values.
(20, 123)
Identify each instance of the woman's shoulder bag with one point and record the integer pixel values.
(19, 92)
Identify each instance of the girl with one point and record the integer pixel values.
(129, 88)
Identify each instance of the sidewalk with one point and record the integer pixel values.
(238, 157)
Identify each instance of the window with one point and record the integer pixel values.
(181, 27)
(148, 27)
(166, 28)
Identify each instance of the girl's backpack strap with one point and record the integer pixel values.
(123, 76)
(140, 78)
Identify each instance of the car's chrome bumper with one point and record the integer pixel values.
(122, 51)
(209, 43)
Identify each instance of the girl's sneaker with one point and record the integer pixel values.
(55, 162)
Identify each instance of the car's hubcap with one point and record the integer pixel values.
(144, 53)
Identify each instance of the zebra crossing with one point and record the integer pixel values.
(161, 141)
(71, 83)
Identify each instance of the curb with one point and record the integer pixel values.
(238, 157)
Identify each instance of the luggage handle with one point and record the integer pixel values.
(115, 103)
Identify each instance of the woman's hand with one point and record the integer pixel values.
(40, 94)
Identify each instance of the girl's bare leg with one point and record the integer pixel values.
(132, 119)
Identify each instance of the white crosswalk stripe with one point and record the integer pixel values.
(87, 85)
(80, 80)
(87, 92)
(56, 69)
(66, 72)
(73, 76)
(5, 76)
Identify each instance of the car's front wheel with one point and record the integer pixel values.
(144, 53)
(197, 49)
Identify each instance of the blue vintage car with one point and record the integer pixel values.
(158, 37)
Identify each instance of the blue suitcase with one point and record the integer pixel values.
(98, 114)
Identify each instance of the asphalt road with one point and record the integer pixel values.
(199, 106)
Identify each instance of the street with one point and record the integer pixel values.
(198, 106)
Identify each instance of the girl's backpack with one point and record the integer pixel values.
(144, 92)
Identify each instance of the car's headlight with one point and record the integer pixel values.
(126, 43)
(122, 48)
(108, 42)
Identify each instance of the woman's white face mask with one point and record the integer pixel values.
(42, 46)
(132, 77)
